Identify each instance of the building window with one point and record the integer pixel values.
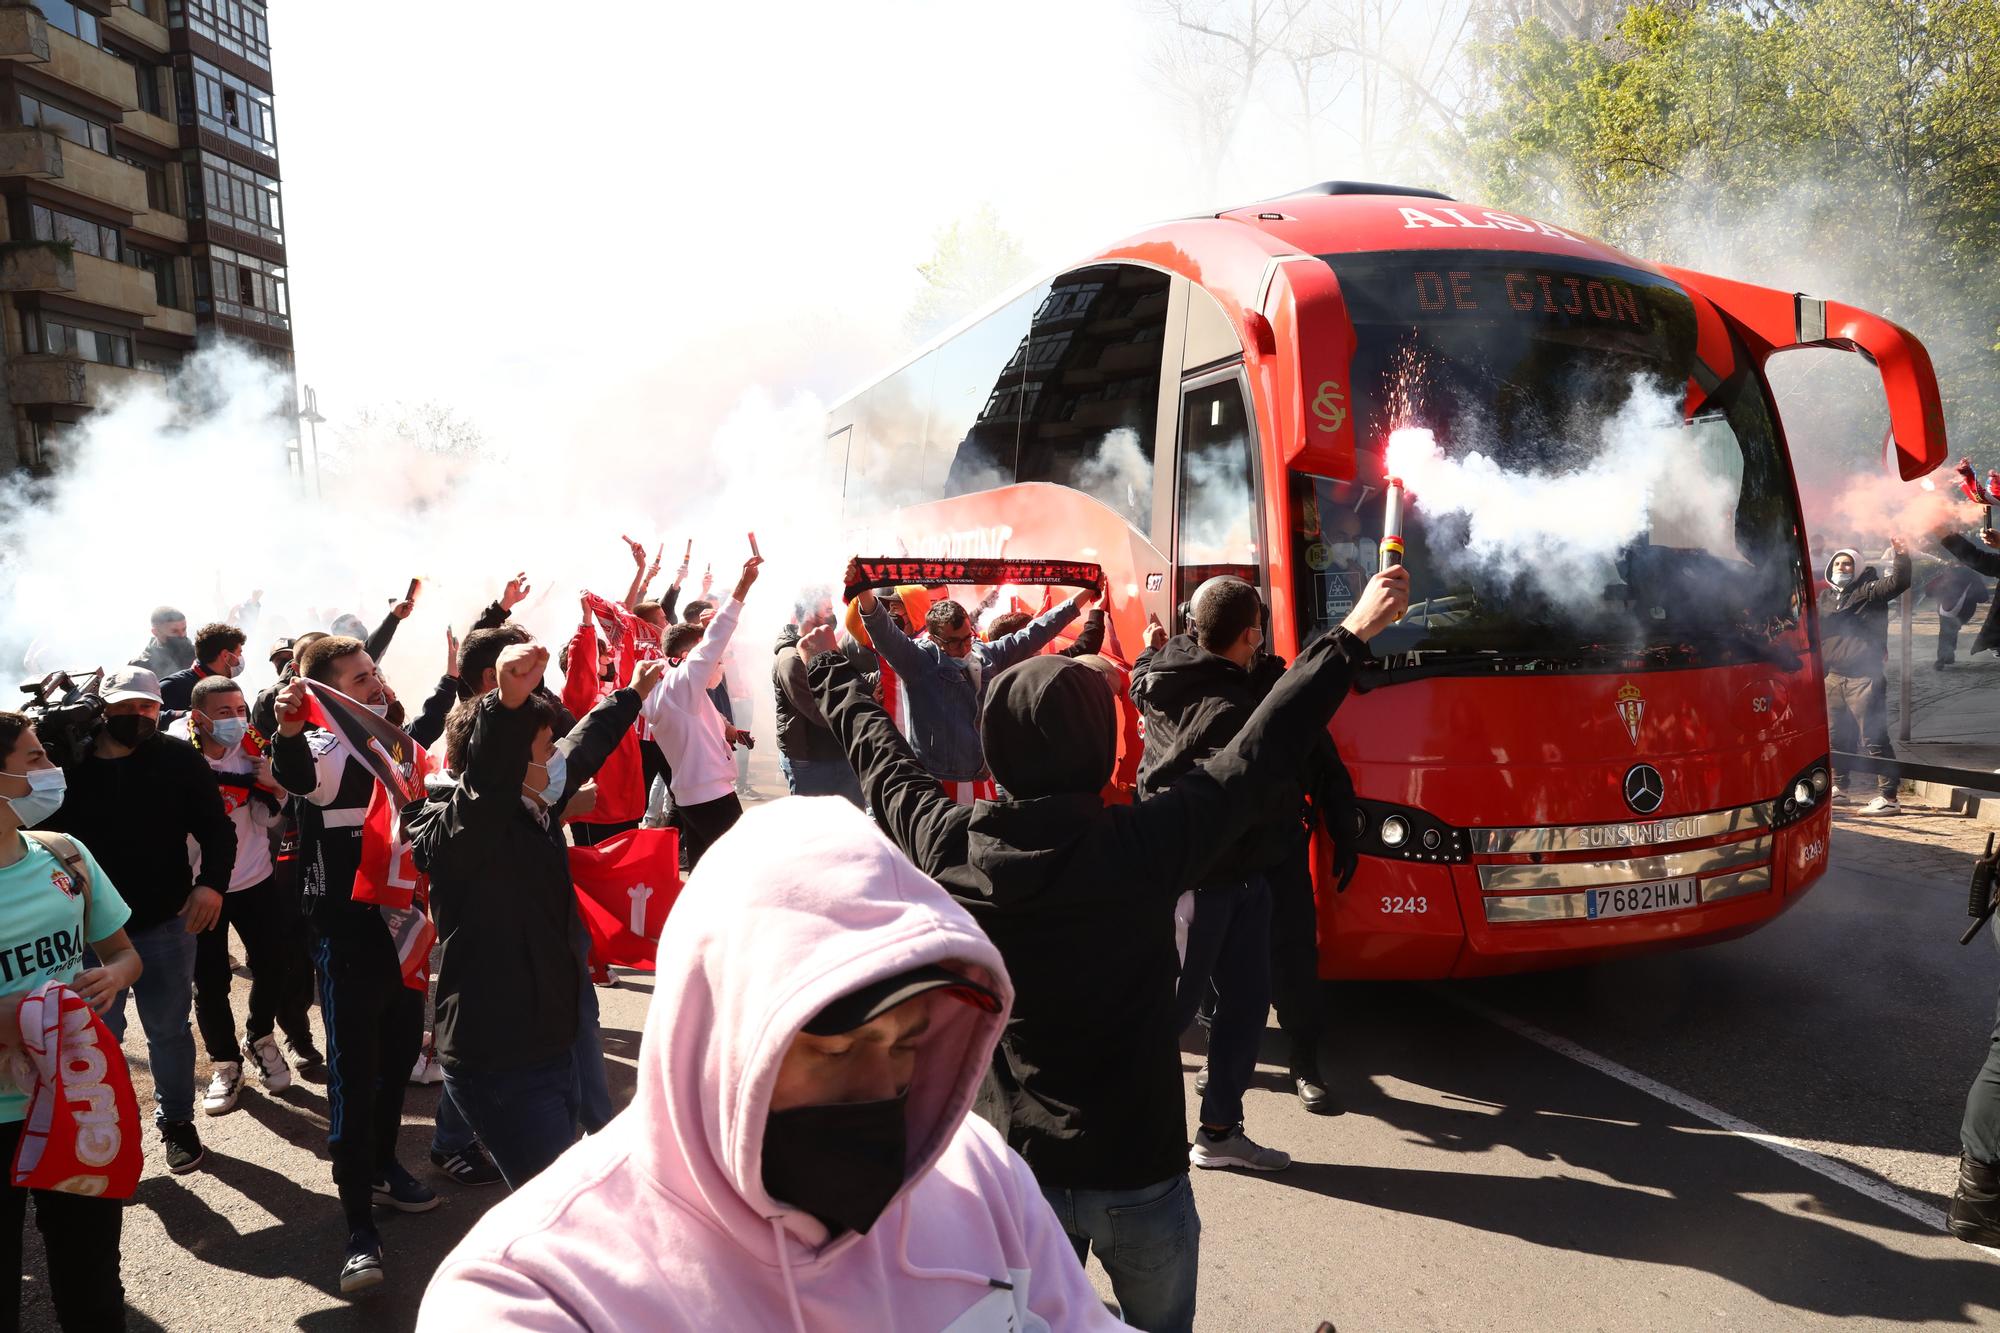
(224, 104)
(59, 120)
(42, 334)
(242, 287)
(157, 197)
(87, 237)
(235, 196)
(166, 275)
(146, 79)
(236, 26)
(79, 23)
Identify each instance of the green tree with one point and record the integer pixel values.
(976, 259)
(1846, 147)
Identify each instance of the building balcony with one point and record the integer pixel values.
(152, 128)
(104, 179)
(34, 153)
(163, 225)
(24, 36)
(96, 72)
(118, 286)
(125, 20)
(169, 320)
(36, 267)
(41, 380)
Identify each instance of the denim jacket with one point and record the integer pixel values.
(945, 698)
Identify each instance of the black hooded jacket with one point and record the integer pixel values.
(508, 972)
(1079, 896)
(1854, 621)
(1982, 560)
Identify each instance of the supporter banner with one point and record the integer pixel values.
(81, 1133)
(387, 876)
(624, 889)
(622, 628)
(888, 571)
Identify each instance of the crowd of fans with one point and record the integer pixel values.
(896, 1074)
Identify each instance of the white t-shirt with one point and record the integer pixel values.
(252, 818)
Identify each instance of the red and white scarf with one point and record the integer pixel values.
(81, 1135)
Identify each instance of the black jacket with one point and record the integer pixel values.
(802, 729)
(1079, 897)
(1984, 560)
(136, 815)
(508, 974)
(1194, 702)
(177, 690)
(1854, 621)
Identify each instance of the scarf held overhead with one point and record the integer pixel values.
(881, 572)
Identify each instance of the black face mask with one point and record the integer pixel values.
(841, 1163)
(130, 729)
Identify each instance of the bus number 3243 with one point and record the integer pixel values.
(1399, 906)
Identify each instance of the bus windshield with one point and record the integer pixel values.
(1568, 379)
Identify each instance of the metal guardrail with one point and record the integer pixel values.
(1972, 779)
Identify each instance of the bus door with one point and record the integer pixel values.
(1217, 517)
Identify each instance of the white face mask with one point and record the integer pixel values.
(46, 787)
(1840, 578)
(234, 669)
(379, 710)
(227, 730)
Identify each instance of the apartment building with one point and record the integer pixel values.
(139, 165)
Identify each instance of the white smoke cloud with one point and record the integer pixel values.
(1645, 474)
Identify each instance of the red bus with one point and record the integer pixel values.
(1540, 784)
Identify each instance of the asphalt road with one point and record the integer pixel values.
(1480, 1179)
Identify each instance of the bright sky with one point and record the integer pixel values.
(541, 220)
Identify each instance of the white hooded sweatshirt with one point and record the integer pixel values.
(662, 1221)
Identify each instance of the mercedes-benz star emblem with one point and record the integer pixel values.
(1644, 789)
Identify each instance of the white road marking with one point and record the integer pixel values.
(1818, 1163)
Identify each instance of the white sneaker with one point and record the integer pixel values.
(223, 1083)
(1235, 1150)
(271, 1067)
(1882, 805)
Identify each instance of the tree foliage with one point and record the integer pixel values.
(976, 259)
(1846, 147)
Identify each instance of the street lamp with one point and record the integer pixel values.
(310, 415)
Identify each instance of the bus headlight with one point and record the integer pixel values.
(1802, 792)
(1395, 831)
(1818, 781)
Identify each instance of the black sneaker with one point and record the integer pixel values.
(184, 1150)
(471, 1167)
(403, 1192)
(306, 1056)
(363, 1269)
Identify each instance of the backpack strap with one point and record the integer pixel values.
(64, 849)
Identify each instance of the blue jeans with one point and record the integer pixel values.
(453, 1134)
(1229, 948)
(822, 777)
(1149, 1241)
(592, 1091)
(165, 992)
(526, 1118)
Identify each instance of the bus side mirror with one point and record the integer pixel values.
(1772, 321)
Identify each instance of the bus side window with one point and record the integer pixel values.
(1216, 512)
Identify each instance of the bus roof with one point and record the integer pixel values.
(1332, 217)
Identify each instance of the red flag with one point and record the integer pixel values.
(624, 888)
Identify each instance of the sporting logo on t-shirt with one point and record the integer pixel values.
(60, 878)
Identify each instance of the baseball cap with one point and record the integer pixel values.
(870, 1002)
(130, 682)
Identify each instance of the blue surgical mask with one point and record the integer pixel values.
(557, 771)
(227, 731)
(46, 787)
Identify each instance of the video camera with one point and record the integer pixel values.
(65, 710)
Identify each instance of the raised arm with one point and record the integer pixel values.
(604, 727)
(1032, 637)
(906, 800)
(904, 656)
(1089, 639)
(1885, 587)
(1984, 561)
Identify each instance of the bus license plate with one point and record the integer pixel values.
(1667, 895)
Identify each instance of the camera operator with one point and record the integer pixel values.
(134, 798)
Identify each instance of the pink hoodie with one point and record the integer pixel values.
(662, 1222)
